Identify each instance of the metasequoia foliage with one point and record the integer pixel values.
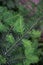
(19, 34)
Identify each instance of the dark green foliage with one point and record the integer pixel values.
(19, 34)
(2, 59)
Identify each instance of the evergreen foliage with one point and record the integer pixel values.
(19, 37)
